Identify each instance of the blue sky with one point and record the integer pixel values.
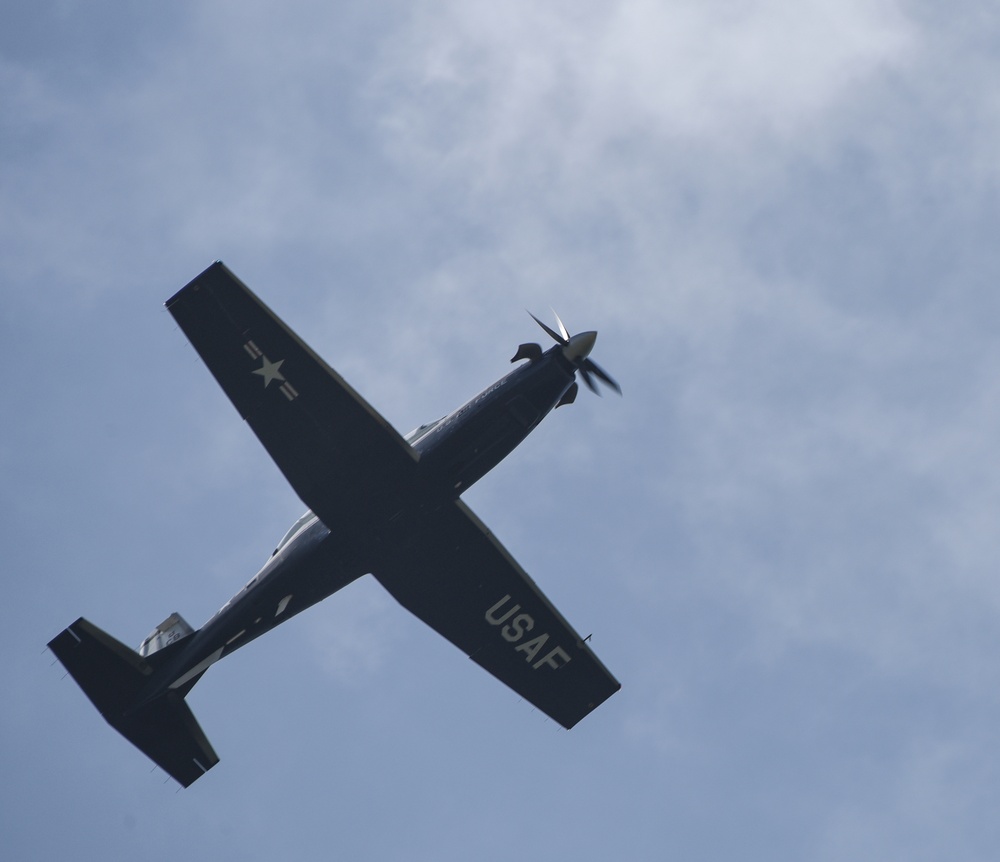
(782, 220)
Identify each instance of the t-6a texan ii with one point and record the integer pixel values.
(378, 503)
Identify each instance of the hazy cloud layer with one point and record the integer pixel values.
(781, 219)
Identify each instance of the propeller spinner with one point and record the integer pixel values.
(576, 348)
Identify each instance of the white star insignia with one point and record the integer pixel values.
(270, 371)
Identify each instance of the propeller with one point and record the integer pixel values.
(576, 348)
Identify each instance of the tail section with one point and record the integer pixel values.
(114, 678)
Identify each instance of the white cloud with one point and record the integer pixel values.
(640, 160)
(618, 156)
(778, 215)
(555, 91)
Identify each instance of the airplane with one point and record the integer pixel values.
(378, 503)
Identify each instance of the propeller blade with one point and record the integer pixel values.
(562, 328)
(555, 335)
(590, 365)
(589, 380)
(576, 349)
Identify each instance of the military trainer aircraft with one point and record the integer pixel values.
(378, 503)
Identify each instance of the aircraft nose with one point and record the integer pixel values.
(579, 346)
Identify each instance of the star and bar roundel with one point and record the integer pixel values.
(270, 371)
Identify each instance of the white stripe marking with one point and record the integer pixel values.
(198, 668)
(282, 605)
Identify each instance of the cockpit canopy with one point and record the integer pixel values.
(294, 529)
(417, 433)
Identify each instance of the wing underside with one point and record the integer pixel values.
(454, 575)
(331, 445)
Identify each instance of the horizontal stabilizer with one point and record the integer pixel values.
(167, 732)
(110, 674)
(114, 678)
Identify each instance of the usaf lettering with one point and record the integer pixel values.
(517, 628)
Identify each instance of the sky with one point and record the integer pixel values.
(780, 217)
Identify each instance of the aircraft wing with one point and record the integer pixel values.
(452, 573)
(331, 445)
